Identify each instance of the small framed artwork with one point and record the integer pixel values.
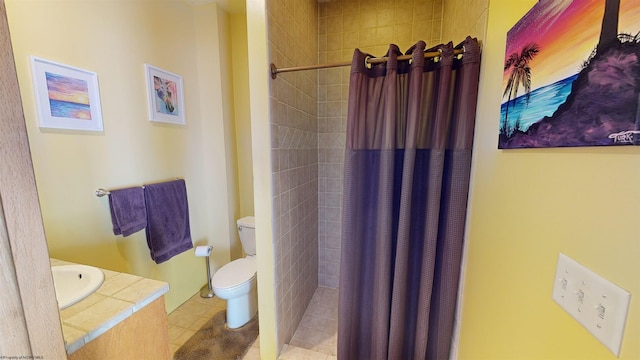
(165, 95)
(66, 97)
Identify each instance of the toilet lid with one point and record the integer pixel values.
(234, 273)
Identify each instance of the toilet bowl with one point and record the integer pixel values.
(236, 281)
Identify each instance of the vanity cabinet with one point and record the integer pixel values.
(143, 335)
(125, 318)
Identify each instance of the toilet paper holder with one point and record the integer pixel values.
(205, 251)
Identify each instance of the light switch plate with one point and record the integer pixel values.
(596, 303)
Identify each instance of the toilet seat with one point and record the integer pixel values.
(234, 274)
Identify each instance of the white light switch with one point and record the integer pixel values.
(596, 303)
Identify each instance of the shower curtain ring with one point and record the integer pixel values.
(460, 56)
(367, 64)
(437, 58)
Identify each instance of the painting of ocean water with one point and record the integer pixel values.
(72, 110)
(68, 97)
(585, 96)
(542, 102)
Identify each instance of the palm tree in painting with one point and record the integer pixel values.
(520, 75)
(609, 30)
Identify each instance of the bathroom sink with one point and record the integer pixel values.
(75, 282)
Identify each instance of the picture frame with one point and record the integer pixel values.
(585, 96)
(165, 96)
(66, 97)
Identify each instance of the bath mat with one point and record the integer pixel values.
(215, 341)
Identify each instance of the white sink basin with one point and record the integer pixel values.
(75, 282)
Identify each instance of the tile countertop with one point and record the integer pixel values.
(116, 299)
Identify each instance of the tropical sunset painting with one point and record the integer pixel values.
(572, 76)
(68, 97)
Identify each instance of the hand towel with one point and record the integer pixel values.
(168, 232)
(128, 213)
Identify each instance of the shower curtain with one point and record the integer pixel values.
(406, 179)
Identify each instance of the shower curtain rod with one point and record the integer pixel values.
(275, 71)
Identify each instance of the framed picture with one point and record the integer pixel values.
(572, 82)
(165, 95)
(66, 97)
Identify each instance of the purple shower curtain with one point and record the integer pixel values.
(406, 180)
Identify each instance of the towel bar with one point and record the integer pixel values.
(102, 192)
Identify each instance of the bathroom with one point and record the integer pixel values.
(218, 157)
(212, 152)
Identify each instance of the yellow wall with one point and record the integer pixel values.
(115, 39)
(526, 206)
(242, 113)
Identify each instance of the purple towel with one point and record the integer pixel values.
(168, 232)
(128, 213)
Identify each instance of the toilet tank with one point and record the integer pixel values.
(247, 231)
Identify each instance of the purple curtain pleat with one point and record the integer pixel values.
(453, 209)
(406, 179)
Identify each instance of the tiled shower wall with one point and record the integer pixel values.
(308, 122)
(294, 132)
(344, 25)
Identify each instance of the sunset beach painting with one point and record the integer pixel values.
(572, 75)
(68, 97)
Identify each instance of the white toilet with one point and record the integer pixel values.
(236, 281)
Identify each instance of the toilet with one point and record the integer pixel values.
(236, 281)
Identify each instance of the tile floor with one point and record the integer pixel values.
(189, 317)
(315, 338)
(318, 329)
